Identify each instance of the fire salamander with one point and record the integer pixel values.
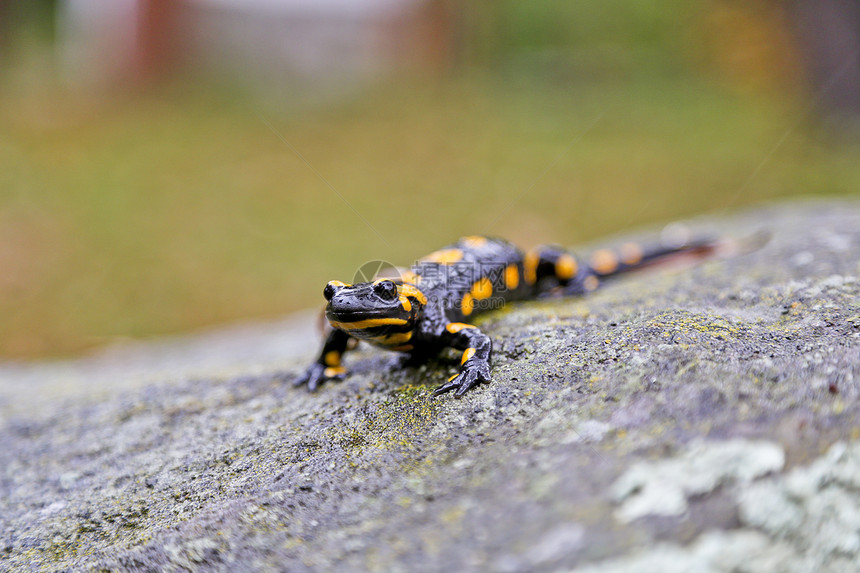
(429, 307)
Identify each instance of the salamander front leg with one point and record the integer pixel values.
(475, 362)
(328, 365)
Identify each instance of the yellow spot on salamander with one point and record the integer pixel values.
(452, 377)
(455, 327)
(338, 284)
(395, 339)
(404, 302)
(565, 267)
(604, 261)
(332, 358)
(591, 283)
(413, 291)
(398, 338)
(512, 277)
(444, 257)
(482, 289)
(410, 277)
(631, 253)
(334, 371)
(474, 241)
(530, 265)
(467, 354)
(467, 305)
(369, 323)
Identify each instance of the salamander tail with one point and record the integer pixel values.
(677, 248)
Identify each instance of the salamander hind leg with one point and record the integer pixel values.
(475, 361)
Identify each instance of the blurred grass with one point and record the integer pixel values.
(180, 208)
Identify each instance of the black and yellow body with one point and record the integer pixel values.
(430, 307)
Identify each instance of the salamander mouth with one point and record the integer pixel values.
(364, 320)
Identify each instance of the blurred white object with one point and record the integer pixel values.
(97, 39)
(278, 43)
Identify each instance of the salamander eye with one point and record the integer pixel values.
(330, 289)
(386, 290)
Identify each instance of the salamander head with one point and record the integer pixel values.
(382, 312)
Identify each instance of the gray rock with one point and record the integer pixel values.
(216, 465)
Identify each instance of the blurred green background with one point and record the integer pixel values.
(149, 180)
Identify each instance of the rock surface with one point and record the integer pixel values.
(741, 377)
